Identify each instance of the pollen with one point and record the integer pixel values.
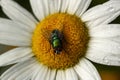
(74, 41)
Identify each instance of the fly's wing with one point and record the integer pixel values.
(46, 34)
(61, 31)
(60, 35)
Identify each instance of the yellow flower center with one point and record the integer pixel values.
(72, 39)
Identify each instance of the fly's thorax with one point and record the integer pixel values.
(71, 47)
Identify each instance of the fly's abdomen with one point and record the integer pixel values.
(56, 43)
(57, 46)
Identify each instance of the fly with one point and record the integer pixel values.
(56, 41)
(55, 38)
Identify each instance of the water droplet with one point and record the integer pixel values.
(106, 60)
(111, 8)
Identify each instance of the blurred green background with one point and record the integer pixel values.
(106, 72)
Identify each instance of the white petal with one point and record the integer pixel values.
(105, 31)
(42, 74)
(57, 5)
(71, 74)
(15, 39)
(7, 25)
(74, 6)
(51, 74)
(52, 6)
(104, 51)
(110, 8)
(37, 70)
(40, 8)
(106, 45)
(86, 71)
(103, 20)
(64, 5)
(15, 55)
(22, 74)
(22, 71)
(14, 33)
(116, 39)
(81, 6)
(27, 74)
(15, 70)
(61, 75)
(114, 0)
(17, 13)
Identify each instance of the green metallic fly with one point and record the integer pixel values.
(55, 38)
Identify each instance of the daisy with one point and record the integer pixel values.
(60, 42)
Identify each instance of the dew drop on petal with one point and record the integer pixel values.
(111, 8)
